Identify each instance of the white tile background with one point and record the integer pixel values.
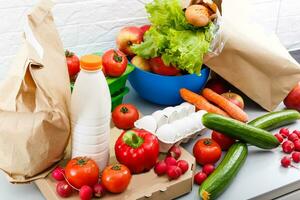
(91, 25)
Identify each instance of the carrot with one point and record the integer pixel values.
(200, 102)
(233, 110)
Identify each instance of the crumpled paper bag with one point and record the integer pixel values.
(34, 102)
(253, 61)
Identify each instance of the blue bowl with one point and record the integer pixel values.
(164, 90)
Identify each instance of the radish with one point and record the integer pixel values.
(175, 152)
(296, 157)
(284, 132)
(208, 169)
(293, 136)
(288, 147)
(174, 172)
(279, 137)
(183, 165)
(160, 168)
(199, 178)
(286, 161)
(297, 145)
(63, 189)
(85, 192)
(99, 190)
(170, 161)
(297, 132)
(58, 173)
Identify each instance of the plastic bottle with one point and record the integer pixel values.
(91, 112)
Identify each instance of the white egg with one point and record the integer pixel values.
(180, 127)
(182, 111)
(190, 108)
(160, 118)
(166, 133)
(171, 114)
(147, 123)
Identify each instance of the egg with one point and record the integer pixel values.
(160, 118)
(147, 123)
(171, 114)
(166, 133)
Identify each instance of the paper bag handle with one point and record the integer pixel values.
(41, 11)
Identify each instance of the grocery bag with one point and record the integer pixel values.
(34, 101)
(253, 61)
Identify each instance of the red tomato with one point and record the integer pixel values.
(73, 63)
(159, 67)
(116, 178)
(114, 63)
(207, 151)
(124, 116)
(224, 141)
(82, 171)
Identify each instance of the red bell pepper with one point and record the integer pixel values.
(138, 150)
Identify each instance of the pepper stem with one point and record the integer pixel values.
(132, 139)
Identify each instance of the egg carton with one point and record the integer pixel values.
(173, 125)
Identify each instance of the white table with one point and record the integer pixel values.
(261, 177)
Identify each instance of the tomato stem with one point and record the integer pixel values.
(116, 167)
(117, 58)
(82, 161)
(207, 142)
(124, 109)
(69, 53)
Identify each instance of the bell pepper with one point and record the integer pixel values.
(137, 149)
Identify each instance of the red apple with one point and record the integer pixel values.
(234, 98)
(292, 101)
(218, 85)
(141, 63)
(159, 67)
(145, 28)
(127, 37)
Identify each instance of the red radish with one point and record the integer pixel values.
(184, 166)
(58, 173)
(170, 161)
(63, 189)
(296, 157)
(160, 168)
(297, 145)
(288, 147)
(279, 137)
(285, 161)
(284, 132)
(297, 132)
(208, 169)
(99, 190)
(174, 172)
(293, 136)
(199, 178)
(85, 192)
(175, 152)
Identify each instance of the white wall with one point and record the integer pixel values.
(91, 25)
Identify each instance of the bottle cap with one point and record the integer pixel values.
(91, 62)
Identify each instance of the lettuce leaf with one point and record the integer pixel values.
(173, 38)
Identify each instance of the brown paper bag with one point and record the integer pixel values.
(251, 60)
(34, 102)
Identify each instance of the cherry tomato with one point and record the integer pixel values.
(207, 151)
(224, 141)
(73, 64)
(124, 116)
(116, 178)
(159, 67)
(114, 63)
(82, 171)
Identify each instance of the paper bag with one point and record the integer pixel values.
(34, 102)
(253, 61)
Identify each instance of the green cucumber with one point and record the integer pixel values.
(275, 120)
(221, 178)
(241, 131)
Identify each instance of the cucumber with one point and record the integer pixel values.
(241, 131)
(275, 120)
(221, 178)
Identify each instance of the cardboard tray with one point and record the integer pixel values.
(142, 186)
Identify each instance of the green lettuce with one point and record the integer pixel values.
(173, 38)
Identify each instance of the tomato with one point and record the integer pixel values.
(114, 63)
(224, 141)
(82, 171)
(73, 64)
(116, 178)
(159, 67)
(124, 116)
(207, 151)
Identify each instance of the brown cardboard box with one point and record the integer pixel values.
(142, 186)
